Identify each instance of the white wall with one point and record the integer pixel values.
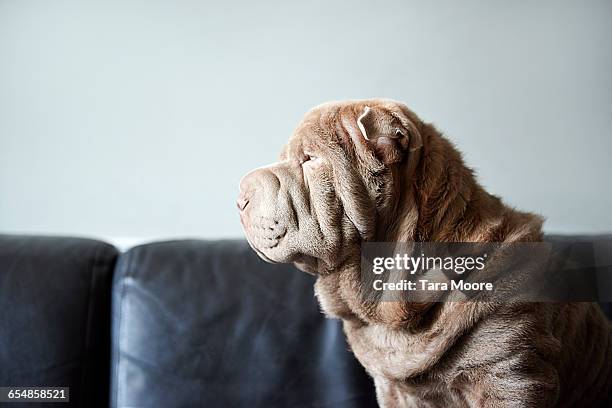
(133, 119)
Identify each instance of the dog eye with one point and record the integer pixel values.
(309, 157)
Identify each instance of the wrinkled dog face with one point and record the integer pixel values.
(336, 177)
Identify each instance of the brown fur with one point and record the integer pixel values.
(378, 173)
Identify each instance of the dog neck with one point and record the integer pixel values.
(438, 200)
(441, 201)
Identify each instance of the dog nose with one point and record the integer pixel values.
(242, 202)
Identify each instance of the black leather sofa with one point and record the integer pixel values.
(169, 324)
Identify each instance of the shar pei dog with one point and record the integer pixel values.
(371, 170)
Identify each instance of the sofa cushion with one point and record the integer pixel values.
(593, 254)
(55, 315)
(201, 323)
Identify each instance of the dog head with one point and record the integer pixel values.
(336, 183)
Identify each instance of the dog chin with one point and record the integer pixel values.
(261, 254)
(303, 263)
(306, 264)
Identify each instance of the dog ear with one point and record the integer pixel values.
(385, 133)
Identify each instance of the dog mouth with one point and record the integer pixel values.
(261, 254)
(264, 235)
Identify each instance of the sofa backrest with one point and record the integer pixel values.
(199, 323)
(55, 315)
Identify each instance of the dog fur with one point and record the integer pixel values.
(371, 170)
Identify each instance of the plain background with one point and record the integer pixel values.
(132, 120)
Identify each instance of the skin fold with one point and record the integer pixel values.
(371, 170)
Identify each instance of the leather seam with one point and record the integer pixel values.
(89, 323)
(117, 336)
